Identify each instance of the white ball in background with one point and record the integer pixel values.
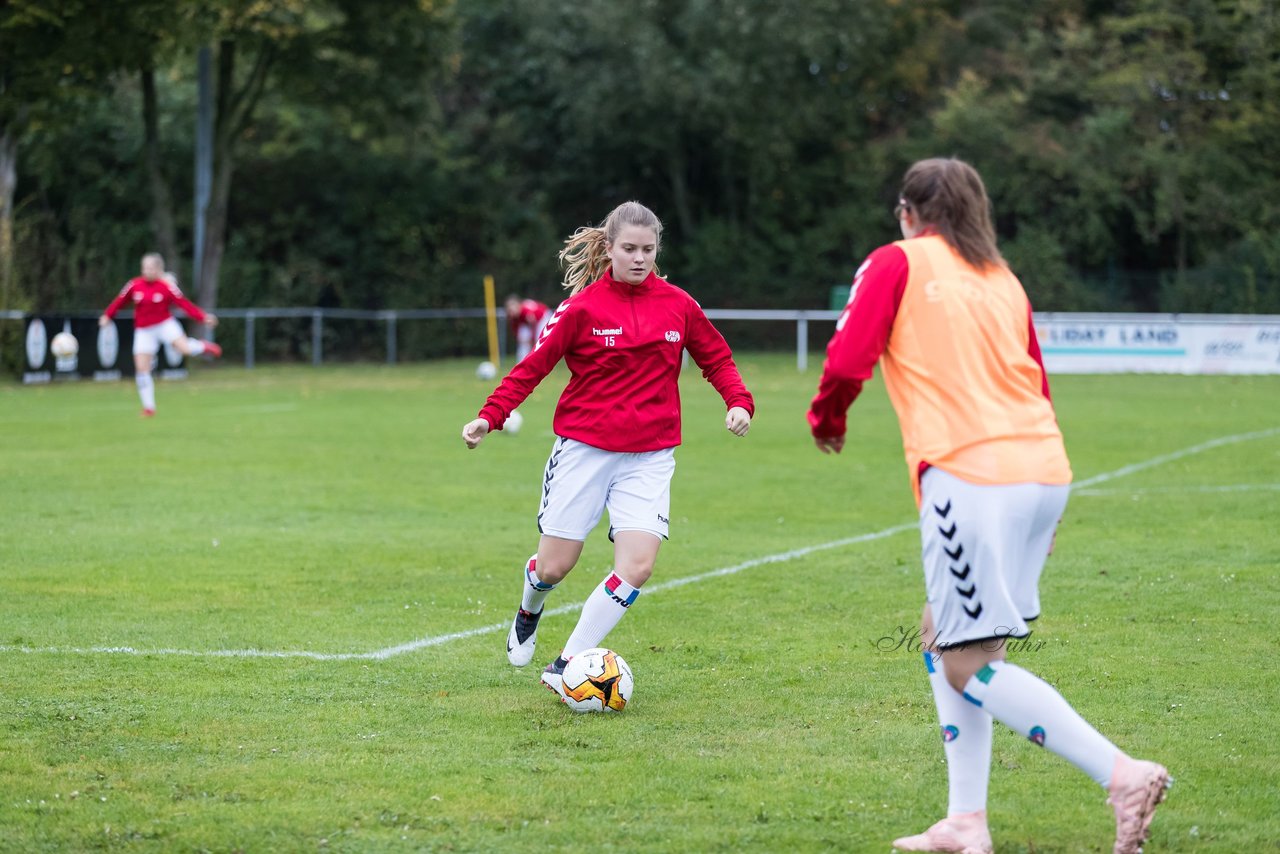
(64, 345)
(513, 424)
(486, 370)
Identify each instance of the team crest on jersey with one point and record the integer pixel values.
(673, 336)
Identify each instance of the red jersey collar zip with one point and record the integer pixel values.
(626, 288)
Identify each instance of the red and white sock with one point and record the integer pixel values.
(600, 613)
(535, 591)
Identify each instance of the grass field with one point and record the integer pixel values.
(272, 619)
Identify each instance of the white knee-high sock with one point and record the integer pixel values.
(195, 346)
(600, 613)
(1032, 707)
(146, 389)
(966, 741)
(535, 591)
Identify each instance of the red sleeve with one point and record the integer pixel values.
(1033, 347)
(862, 333)
(711, 352)
(532, 369)
(193, 311)
(119, 300)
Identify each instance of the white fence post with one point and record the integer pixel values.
(317, 334)
(802, 342)
(248, 339)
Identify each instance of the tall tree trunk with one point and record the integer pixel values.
(162, 228)
(678, 168)
(8, 186)
(233, 111)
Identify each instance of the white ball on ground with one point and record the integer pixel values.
(486, 370)
(513, 423)
(597, 680)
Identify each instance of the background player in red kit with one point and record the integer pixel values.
(951, 327)
(150, 296)
(617, 422)
(526, 318)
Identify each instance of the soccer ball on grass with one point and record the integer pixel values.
(597, 680)
(486, 370)
(513, 423)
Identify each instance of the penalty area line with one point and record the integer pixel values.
(650, 589)
(781, 557)
(1175, 455)
(437, 640)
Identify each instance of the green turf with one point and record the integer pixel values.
(336, 511)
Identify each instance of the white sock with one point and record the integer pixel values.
(966, 741)
(146, 389)
(535, 591)
(1032, 707)
(195, 346)
(601, 612)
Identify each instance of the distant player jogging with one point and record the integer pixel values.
(621, 333)
(150, 296)
(951, 327)
(526, 319)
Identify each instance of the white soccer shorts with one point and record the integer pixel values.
(580, 482)
(527, 337)
(148, 339)
(984, 547)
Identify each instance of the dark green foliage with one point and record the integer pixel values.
(401, 151)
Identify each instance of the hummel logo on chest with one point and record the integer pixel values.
(614, 331)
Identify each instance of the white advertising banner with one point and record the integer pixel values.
(1159, 343)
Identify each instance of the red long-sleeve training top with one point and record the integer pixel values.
(622, 344)
(151, 299)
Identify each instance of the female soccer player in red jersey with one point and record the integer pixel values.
(621, 333)
(150, 295)
(525, 318)
(951, 327)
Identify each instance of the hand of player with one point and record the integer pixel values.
(737, 421)
(829, 444)
(104, 320)
(210, 319)
(474, 432)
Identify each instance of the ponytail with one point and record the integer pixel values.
(949, 195)
(585, 256)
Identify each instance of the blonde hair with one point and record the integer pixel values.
(948, 194)
(585, 255)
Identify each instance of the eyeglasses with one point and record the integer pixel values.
(900, 208)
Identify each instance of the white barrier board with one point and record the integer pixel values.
(1159, 343)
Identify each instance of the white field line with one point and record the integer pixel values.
(1176, 455)
(781, 557)
(1172, 490)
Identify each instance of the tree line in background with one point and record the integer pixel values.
(388, 153)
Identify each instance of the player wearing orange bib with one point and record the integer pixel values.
(951, 328)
